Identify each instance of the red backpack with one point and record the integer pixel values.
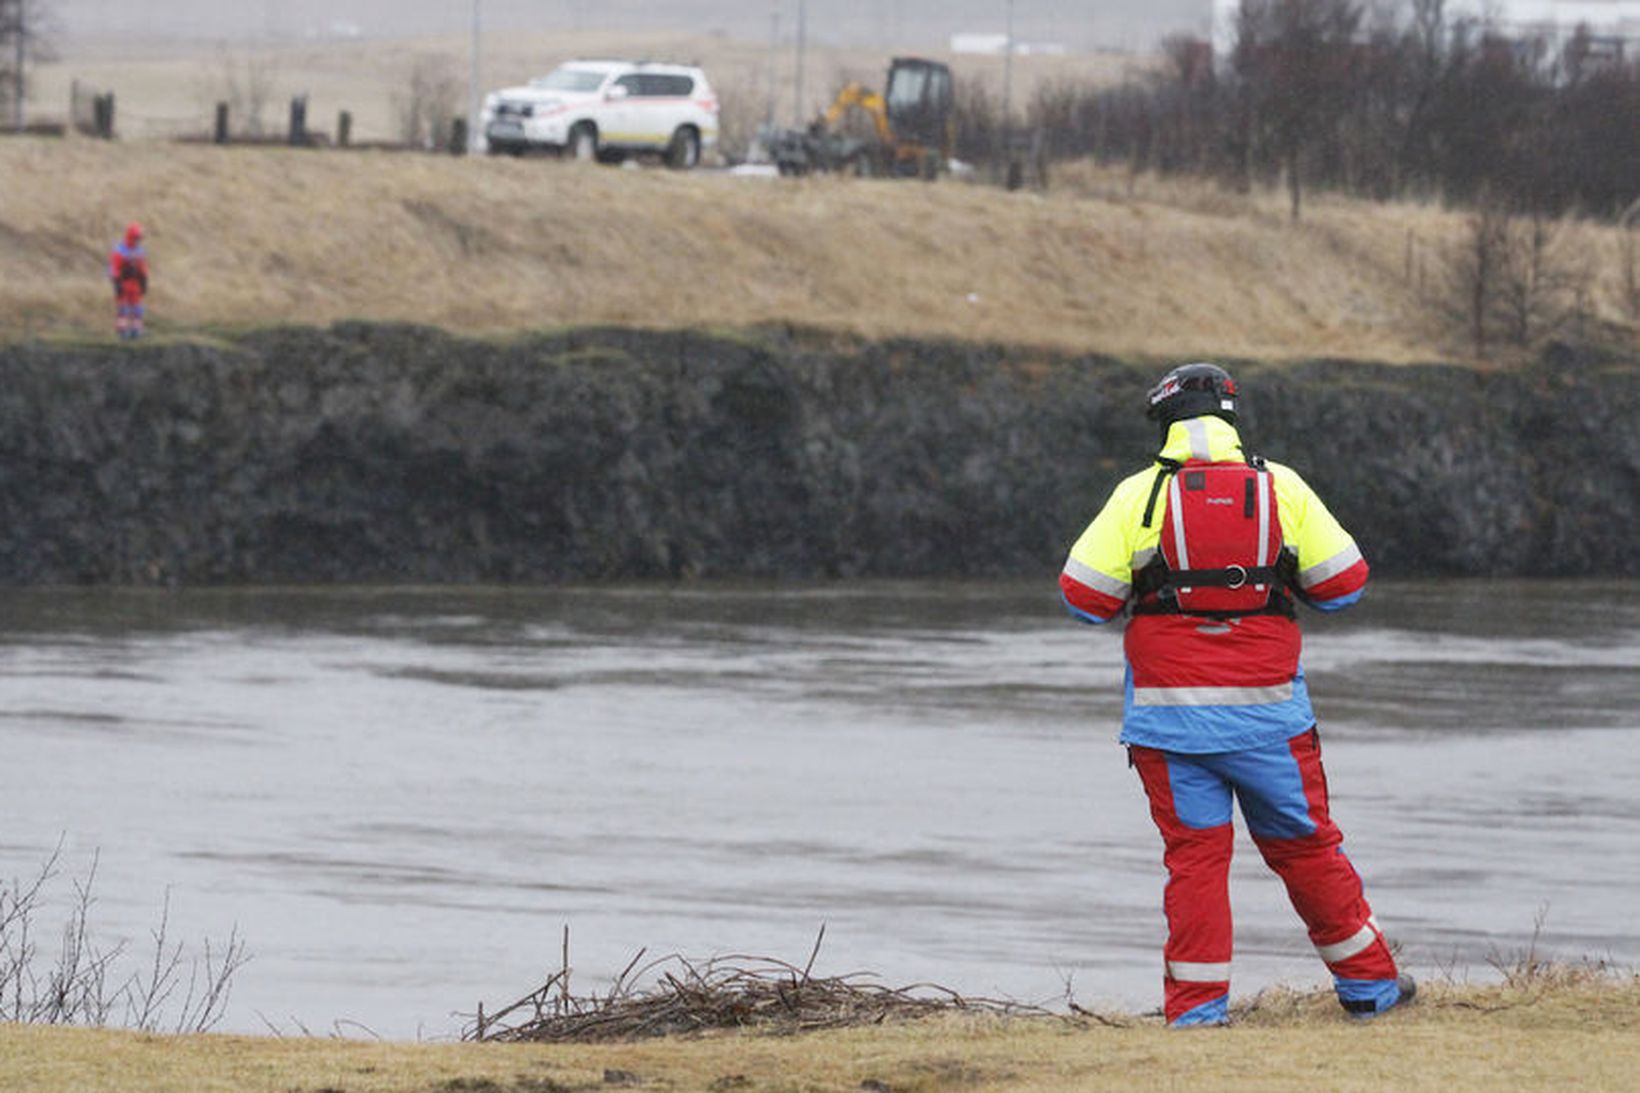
(1220, 550)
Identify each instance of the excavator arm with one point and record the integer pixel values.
(857, 96)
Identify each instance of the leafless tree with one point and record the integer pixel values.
(1425, 44)
(977, 112)
(1515, 275)
(1474, 268)
(1540, 286)
(1294, 59)
(742, 109)
(1630, 223)
(430, 100)
(25, 32)
(245, 81)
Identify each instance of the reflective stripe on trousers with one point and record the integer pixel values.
(1187, 972)
(1358, 942)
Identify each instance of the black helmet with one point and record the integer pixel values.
(1192, 390)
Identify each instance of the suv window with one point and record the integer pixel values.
(569, 79)
(665, 87)
(632, 83)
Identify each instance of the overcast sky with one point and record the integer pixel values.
(922, 24)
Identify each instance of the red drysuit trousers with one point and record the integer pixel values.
(1283, 794)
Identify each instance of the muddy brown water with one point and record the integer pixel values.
(401, 797)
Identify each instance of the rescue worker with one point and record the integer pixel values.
(128, 269)
(1205, 552)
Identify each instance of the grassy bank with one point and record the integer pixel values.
(243, 237)
(1580, 1033)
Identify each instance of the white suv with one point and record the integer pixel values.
(607, 110)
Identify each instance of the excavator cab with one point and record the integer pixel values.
(918, 100)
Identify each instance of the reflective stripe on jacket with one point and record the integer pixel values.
(1202, 685)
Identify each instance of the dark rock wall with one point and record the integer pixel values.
(385, 453)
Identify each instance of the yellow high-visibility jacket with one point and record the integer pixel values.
(1194, 684)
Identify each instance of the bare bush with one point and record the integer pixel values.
(1474, 269)
(1539, 287)
(429, 101)
(1530, 969)
(977, 115)
(1515, 276)
(244, 81)
(209, 977)
(82, 984)
(1631, 272)
(1630, 223)
(743, 109)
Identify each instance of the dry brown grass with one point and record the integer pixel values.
(245, 236)
(1583, 1033)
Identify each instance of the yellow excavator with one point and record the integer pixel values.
(908, 131)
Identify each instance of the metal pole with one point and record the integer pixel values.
(1008, 95)
(1008, 69)
(473, 108)
(18, 84)
(774, 63)
(802, 28)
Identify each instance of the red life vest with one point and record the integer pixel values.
(1219, 553)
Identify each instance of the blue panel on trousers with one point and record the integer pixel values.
(1271, 790)
(1201, 799)
(1216, 1012)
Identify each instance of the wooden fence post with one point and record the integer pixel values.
(298, 121)
(220, 134)
(344, 129)
(102, 112)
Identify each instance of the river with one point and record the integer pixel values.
(400, 798)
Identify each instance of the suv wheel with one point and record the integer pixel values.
(684, 151)
(583, 143)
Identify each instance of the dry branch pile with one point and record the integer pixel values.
(671, 995)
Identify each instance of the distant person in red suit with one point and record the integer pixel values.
(128, 269)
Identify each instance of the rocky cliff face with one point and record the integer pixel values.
(386, 453)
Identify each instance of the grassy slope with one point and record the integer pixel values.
(245, 236)
(1578, 1035)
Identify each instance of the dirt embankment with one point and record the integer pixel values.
(383, 453)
